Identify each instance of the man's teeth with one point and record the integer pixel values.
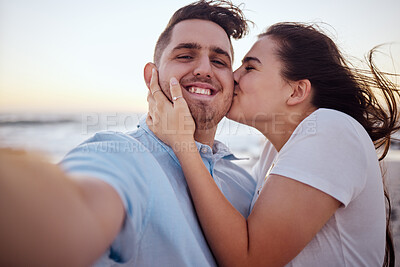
(200, 91)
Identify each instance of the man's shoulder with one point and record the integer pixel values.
(104, 136)
(108, 150)
(137, 136)
(112, 143)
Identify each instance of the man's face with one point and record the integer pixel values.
(199, 56)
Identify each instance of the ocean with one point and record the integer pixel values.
(56, 134)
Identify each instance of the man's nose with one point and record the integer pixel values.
(203, 68)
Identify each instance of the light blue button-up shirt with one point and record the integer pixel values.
(161, 226)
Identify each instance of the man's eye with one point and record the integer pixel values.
(219, 62)
(248, 68)
(184, 57)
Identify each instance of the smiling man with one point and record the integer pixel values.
(202, 62)
(129, 202)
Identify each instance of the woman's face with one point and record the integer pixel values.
(260, 92)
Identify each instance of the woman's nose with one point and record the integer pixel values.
(236, 76)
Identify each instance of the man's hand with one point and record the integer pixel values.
(49, 219)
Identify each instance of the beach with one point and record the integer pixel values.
(392, 166)
(56, 134)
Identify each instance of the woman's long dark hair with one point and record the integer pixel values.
(307, 53)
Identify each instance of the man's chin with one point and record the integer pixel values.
(204, 123)
(206, 115)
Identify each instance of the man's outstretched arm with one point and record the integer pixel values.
(50, 219)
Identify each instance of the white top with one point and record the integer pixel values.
(332, 152)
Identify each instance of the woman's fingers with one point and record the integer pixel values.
(184, 120)
(172, 123)
(155, 87)
(156, 99)
(176, 92)
(152, 114)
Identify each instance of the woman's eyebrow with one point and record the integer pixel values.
(247, 59)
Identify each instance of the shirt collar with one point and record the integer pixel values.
(220, 149)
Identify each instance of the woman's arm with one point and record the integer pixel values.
(287, 214)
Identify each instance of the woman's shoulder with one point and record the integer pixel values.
(331, 122)
(332, 117)
(328, 130)
(326, 152)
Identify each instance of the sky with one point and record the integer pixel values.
(82, 55)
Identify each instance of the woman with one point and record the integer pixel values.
(322, 200)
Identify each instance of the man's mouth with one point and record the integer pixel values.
(199, 91)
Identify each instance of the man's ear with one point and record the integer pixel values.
(147, 72)
(301, 92)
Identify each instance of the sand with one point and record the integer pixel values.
(392, 165)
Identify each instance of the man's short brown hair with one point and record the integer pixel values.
(222, 12)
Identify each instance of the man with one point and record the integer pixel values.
(125, 193)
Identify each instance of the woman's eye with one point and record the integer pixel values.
(249, 68)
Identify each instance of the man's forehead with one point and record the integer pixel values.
(205, 34)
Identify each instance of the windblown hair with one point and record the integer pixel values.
(221, 12)
(307, 53)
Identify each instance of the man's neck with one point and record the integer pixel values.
(205, 137)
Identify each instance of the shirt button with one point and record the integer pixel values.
(204, 150)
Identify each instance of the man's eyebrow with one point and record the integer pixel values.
(247, 59)
(220, 51)
(187, 46)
